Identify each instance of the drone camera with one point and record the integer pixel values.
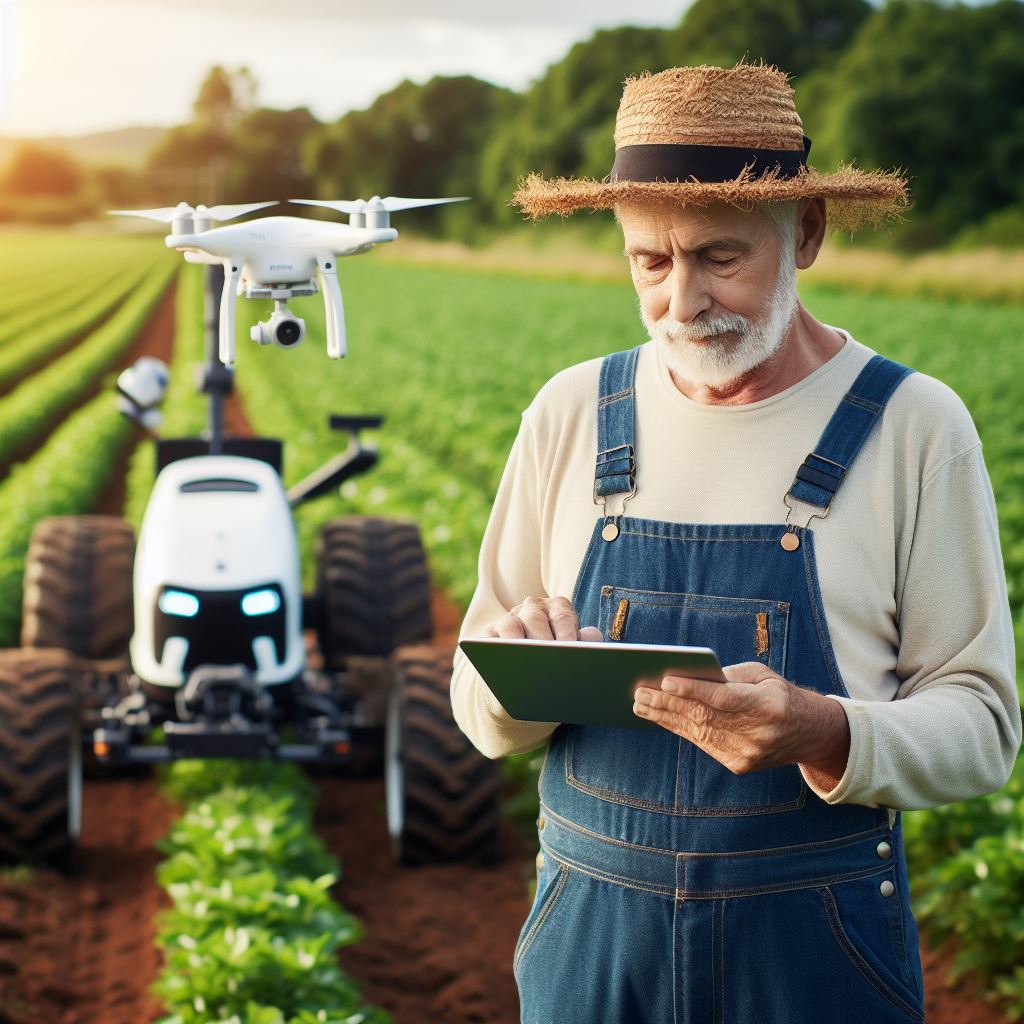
(282, 328)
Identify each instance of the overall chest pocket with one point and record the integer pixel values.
(656, 769)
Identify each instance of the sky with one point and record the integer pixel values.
(69, 67)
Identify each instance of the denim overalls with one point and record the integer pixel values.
(669, 888)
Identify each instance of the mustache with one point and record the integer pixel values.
(699, 330)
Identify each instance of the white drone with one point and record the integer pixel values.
(280, 257)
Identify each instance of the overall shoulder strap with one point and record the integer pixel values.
(821, 473)
(615, 472)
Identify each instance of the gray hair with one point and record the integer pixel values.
(783, 217)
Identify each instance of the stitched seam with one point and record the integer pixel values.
(654, 888)
(677, 974)
(829, 844)
(858, 961)
(938, 469)
(541, 917)
(660, 536)
(824, 640)
(586, 562)
(862, 403)
(695, 811)
(760, 890)
(616, 396)
(718, 941)
(725, 598)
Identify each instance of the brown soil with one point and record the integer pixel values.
(80, 949)
(437, 945)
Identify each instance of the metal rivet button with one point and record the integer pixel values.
(884, 850)
(887, 888)
(540, 861)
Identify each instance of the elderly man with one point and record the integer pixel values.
(744, 862)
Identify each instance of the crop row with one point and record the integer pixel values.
(67, 476)
(453, 357)
(253, 933)
(36, 266)
(31, 339)
(28, 410)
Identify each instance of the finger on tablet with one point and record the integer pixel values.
(591, 633)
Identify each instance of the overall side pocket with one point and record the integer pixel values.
(550, 884)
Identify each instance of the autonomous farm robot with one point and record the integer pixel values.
(197, 641)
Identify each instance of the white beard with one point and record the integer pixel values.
(721, 360)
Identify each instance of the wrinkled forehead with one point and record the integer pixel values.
(659, 217)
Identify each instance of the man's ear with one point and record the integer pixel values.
(810, 231)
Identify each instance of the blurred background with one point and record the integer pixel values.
(117, 103)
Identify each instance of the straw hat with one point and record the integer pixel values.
(698, 135)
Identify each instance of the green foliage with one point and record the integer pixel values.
(563, 121)
(415, 140)
(224, 97)
(60, 479)
(27, 410)
(268, 162)
(794, 35)
(1003, 229)
(916, 69)
(252, 934)
(27, 340)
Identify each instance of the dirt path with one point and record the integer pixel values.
(80, 949)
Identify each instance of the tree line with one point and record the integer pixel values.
(928, 86)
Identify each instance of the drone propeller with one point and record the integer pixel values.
(168, 214)
(390, 203)
(164, 214)
(375, 212)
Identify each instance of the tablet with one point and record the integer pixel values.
(582, 682)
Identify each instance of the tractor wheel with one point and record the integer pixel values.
(442, 794)
(40, 756)
(373, 586)
(78, 586)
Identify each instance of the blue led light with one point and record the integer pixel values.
(261, 602)
(177, 602)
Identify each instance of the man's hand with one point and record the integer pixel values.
(755, 720)
(543, 618)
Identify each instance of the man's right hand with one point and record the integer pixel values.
(543, 618)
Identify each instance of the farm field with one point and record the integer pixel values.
(450, 356)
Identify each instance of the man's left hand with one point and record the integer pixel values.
(755, 720)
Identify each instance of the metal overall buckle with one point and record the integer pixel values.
(805, 512)
(610, 530)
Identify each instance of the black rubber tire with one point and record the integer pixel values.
(78, 586)
(374, 588)
(442, 794)
(40, 756)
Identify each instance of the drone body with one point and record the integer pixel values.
(279, 258)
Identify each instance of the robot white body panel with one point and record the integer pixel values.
(217, 577)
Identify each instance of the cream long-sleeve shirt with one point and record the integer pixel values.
(909, 562)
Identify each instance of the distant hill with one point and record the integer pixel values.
(125, 146)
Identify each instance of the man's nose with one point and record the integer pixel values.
(688, 297)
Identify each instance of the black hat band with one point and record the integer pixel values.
(680, 162)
